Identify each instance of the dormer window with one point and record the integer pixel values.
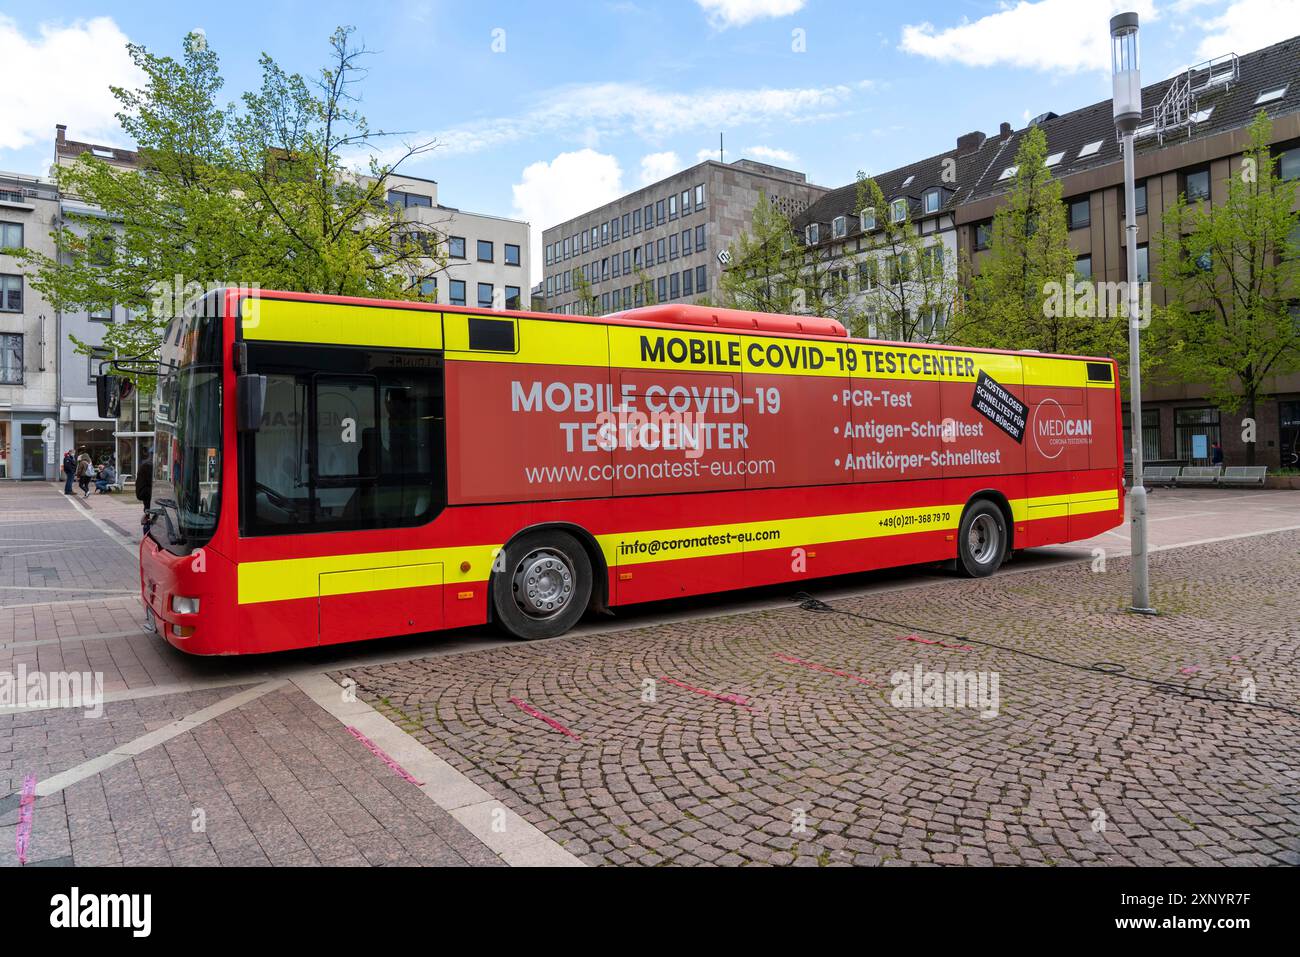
(839, 227)
(898, 210)
(1009, 172)
(931, 200)
(867, 220)
(811, 234)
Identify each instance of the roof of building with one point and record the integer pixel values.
(1084, 138)
(66, 149)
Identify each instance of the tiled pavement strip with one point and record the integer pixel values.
(195, 761)
(281, 780)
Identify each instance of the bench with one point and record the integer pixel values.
(1159, 475)
(1244, 475)
(1200, 475)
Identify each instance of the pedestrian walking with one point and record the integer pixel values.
(1216, 454)
(85, 471)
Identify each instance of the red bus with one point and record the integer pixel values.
(332, 469)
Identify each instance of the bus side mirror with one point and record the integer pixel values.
(250, 400)
(108, 395)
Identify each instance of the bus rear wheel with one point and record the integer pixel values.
(982, 540)
(542, 587)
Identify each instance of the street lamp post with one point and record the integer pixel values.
(1127, 107)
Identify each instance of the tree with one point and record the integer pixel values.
(770, 271)
(259, 194)
(1231, 274)
(1016, 298)
(907, 285)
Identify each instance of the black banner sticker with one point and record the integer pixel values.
(999, 406)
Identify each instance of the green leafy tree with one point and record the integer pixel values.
(264, 193)
(1231, 274)
(1016, 298)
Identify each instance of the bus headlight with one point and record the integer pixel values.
(185, 606)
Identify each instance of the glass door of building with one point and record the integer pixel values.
(33, 450)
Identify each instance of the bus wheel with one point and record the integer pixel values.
(544, 586)
(981, 540)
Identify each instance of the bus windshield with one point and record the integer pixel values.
(187, 457)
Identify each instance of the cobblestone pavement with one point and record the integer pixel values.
(755, 739)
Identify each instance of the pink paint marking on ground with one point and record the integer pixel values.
(396, 768)
(739, 700)
(26, 811)
(791, 659)
(528, 709)
(933, 641)
(1190, 669)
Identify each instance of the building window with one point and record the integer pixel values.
(983, 234)
(686, 202)
(1083, 267)
(428, 287)
(699, 196)
(512, 254)
(688, 278)
(839, 227)
(898, 210)
(11, 293)
(659, 251)
(604, 269)
(672, 246)
(613, 229)
(456, 247)
(11, 359)
(931, 201)
(932, 261)
(1140, 198)
(404, 200)
(672, 208)
(674, 286)
(1196, 431)
(1150, 434)
(549, 286)
(636, 257)
(1196, 185)
(485, 251)
(613, 266)
(701, 278)
(604, 234)
(636, 220)
(686, 242)
(659, 212)
(662, 288)
(101, 313)
(548, 254)
(566, 248)
(627, 224)
(650, 253)
(1143, 264)
(595, 236)
(1080, 213)
(457, 292)
(1205, 262)
(867, 220)
(586, 241)
(1288, 163)
(11, 235)
(649, 216)
(485, 295)
(868, 274)
(700, 245)
(810, 234)
(512, 297)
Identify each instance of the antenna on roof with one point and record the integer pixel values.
(722, 153)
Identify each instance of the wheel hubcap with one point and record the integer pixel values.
(543, 583)
(984, 539)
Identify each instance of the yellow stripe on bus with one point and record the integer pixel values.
(285, 579)
(288, 320)
(288, 578)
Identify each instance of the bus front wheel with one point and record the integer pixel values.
(543, 586)
(981, 540)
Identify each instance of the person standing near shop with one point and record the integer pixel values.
(69, 470)
(144, 479)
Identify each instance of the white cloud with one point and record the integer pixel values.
(1050, 35)
(737, 13)
(657, 166)
(550, 193)
(1248, 25)
(587, 112)
(62, 75)
(770, 154)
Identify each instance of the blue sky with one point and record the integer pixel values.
(543, 110)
